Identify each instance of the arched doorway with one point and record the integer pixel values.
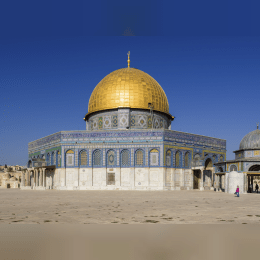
(197, 172)
(208, 178)
(196, 178)
(253, 178)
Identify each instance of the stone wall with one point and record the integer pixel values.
(124, 178)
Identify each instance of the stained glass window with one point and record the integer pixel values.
(58, 158)
(83, 158)
(177, 159)
(125, 158)
(154, 157)
(233, 168)
(111, 157)
(97, 158)
(139, 158)
(186, 160)
(168, 158)
(70, 158)
(48, 159)
(52, 158)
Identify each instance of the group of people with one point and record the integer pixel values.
(250, 189)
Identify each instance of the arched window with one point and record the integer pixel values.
(255, 168)
(220, 169)
(125, 158)
(97, 158)
(196, 156)
(58, 158)
(168, 158)
(208, 163)
(177, 159)
(187, 160)
(214, 157)
(111, 158)
(139, 158)
(154, 157)
(233, 168)
(52, 158)
(83, 158)
(48, 159)
(69, 158)
(221, 158)
(30, 164)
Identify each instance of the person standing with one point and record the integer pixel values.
(256, 188)
(237, 191)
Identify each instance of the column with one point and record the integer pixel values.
(245, 183)
(201, 179)
(26, 182)
(37, 178)
(43, 178)
(216, 182)
(29, 178)
(40, 181)
(22, 180)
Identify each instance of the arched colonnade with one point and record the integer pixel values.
(37, 178)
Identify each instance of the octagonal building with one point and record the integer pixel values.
(128, 144)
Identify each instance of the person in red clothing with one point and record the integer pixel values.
(237, 191)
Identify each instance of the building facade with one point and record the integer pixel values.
(128, 144)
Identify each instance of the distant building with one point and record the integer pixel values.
(10, 176)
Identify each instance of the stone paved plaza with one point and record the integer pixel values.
(127, 207)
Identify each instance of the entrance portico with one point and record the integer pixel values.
(38, 178)
(203, 175)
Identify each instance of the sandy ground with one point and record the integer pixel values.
(127, 207)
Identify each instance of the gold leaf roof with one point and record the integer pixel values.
(128, 87)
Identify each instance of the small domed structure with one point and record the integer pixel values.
(251, 141)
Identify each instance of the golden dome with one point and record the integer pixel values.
(128, 87)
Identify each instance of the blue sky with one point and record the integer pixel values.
(53, 55)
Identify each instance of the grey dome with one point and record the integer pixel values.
(251, 140)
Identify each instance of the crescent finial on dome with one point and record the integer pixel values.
(128, 61)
